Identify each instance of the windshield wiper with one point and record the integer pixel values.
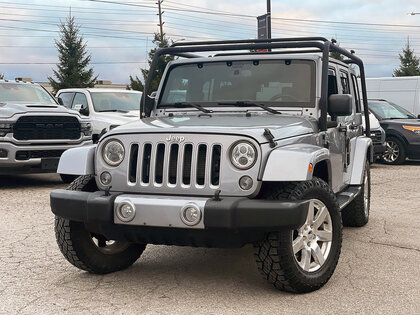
(114, 110)
(186, 104)
(247, 104)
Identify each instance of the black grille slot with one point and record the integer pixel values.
(376, 136)
(201, 164)
(36, 154)
(145, 168)
(173, 163)
(132, 170)
(46, 127)
(160, 160)
(215, 165)
(186, 167)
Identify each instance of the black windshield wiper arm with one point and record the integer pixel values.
(246, 104)
(113, 110)
(186, 104)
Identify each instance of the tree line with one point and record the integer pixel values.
(73, 69)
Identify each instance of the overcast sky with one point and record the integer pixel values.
(118, 36)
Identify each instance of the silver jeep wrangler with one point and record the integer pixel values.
(260, 143)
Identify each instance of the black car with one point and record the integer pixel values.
(402, 130)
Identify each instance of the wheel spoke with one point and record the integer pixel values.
(324, 236)
(310, 217)
(297, 244)
(321, 215)
(317, 254)
(305, 262)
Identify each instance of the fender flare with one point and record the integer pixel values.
(78, 161)
(291, 162)
(361, 157)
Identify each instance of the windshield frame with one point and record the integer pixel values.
(34, 86)
(395, 106)
(97, 110)
(214, 104)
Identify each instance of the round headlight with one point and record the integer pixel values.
(243, 155)
(113, 152)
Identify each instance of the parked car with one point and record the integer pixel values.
(35, 130)
(106, 108)
(402, 130)
(404, 91)
(377, 134)
(262, 148)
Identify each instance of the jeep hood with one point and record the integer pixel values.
(281, 127)
(8, 110)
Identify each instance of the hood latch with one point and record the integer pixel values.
(269, 136)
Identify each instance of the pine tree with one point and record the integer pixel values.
(73, 59)
(410, 63)
(136, 83)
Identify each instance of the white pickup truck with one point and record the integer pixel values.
(106, 108)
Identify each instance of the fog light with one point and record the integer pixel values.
(191, 214)
(105, 178)
(3, 153)
(246, 182)
(126, 212)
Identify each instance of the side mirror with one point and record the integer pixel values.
(148, 106)
(81, 109)
(340, 105)
(60, 100)
(153, 94)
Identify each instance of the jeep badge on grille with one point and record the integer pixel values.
(177, 139)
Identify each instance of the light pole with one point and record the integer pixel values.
(268, 19)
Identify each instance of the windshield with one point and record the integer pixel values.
(25, 93)
(386, 110)
(115, 101)
(288, 83)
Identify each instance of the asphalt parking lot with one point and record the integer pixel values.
(378, 271)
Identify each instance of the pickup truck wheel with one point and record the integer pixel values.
(303, 260)
(67, 179)
(357, 212)
(394, 152)
(92, 252)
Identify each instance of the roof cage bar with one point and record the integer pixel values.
(271, 52)
(249, 41)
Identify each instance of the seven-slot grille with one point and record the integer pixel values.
(376, 136)
(46, 127)
(175, 165)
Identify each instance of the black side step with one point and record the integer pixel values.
(346, 196)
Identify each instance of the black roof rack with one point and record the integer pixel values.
(301, 44)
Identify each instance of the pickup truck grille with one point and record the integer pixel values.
(46, 128)
(36, 154)
(172, 165)
(376, 136)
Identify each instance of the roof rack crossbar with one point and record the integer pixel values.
(249, 41)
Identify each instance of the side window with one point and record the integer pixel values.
(345, 84)
(80, 99)
(332, 82)
(356, 93)
(67, 98)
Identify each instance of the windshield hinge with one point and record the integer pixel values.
(269, 136)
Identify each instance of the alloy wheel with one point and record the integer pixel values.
(392, 151)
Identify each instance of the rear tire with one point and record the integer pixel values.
(88, 251)
(357, 212)
(282, 258)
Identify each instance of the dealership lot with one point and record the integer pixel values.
(378, 270)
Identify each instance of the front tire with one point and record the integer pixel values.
(395, 152)
(67, 179)
(89, 251)
(303, 260)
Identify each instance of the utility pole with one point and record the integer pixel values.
(268, 19)
(160, 18)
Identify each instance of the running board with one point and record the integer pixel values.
(347, 196)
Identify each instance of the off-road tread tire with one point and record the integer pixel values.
(403, 155)
(67, 179)
(274, 257)
(80, 254)
(354, 214)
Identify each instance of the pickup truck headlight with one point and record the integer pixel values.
(5, 128)
(113, 152)
(86, 128)
(243, 155)
(415, 129)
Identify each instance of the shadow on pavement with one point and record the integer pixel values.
(32, 180)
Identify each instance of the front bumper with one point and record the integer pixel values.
(229, 222)
(12, 164)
